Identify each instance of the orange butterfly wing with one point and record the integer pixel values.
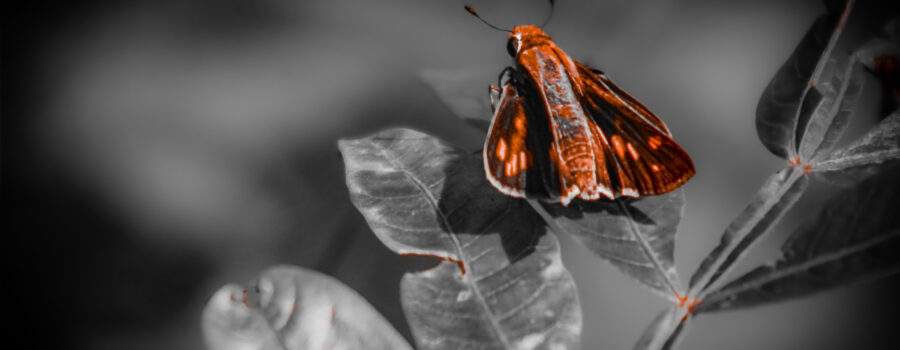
(506, 156)
(639, 154)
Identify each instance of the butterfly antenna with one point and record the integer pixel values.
(474, 13)
(552, 3)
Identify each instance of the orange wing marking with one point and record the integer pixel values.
(654, 142)
(632, 151)
(617, 144)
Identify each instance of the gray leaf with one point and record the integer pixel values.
(664, 332)
(636, 236)
(795, 92)
(880, 56)
(293, 308)
(855, 238)
(831, 117)
(776, 196)
(878, 148)
(506, 287)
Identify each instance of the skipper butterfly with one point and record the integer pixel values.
(561, 130)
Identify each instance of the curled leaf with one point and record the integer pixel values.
(854, 238)
(292, 308)
(831, 116)
(506, 286)
(795, 93)
(636, 236)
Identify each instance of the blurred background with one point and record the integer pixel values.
(156, 150)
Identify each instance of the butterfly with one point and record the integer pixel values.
(561, 131)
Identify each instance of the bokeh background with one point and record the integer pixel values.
(156, 150)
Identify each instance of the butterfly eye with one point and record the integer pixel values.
(511, 47)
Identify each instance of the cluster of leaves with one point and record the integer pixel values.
(502, 284)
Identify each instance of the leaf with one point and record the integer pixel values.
(855, 238)
(831, 117)
(293, 308)
(869, 52)
(465, 92)
(776, 196)
(881, 57)
(664, 332)
(795, 92)
(509, 289)
(878, 148)
(636, 236)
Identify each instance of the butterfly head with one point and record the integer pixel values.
(525, 37)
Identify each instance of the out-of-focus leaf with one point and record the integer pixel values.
(636, 236)
(881, 57)
(878, 148)
(465, 92)
(664, 332)
(507, 287)
(292, 308)
(855, 238)
(776, 196)
(869, 52)
(794, 94)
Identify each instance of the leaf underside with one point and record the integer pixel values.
(423, 197)
(290, 308)
(637, 236)
(855, 238)
(879, 148)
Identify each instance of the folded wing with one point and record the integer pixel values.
(506, 156)
(640, 156)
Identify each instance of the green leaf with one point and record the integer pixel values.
(855, 238)
(636, 236)
(878, 148)
(776, 196)
(465, 92)
(803, 89)
(293, 308)
(506, 286)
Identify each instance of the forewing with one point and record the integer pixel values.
(506, 156)
(641, 157)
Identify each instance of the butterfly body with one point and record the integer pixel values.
(565, 131)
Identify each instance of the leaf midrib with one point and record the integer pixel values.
(648, 250)
(445, 223)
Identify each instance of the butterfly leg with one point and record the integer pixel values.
(494, 92)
